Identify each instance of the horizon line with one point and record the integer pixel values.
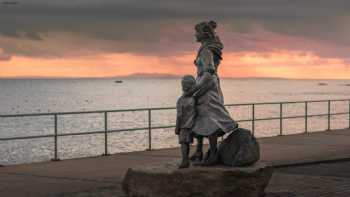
(160, 76)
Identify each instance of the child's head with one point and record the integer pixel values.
(187, 82)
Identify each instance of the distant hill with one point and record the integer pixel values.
(164, 75)
(150, 75)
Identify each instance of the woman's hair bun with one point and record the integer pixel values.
(212, 24)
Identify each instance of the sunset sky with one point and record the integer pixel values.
(99, 38)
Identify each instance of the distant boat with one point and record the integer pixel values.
(322, 84)
(118, 81)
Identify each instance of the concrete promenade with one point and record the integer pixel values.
(101, 176)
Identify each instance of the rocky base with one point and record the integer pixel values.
(218, 181)
(239, 148)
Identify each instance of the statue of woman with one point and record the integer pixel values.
(212, 119)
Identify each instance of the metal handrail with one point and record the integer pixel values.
(160, 108)
(106, 131)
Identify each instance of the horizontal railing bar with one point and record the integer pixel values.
(315, 101)
(118, 110)
(332, 114)
(84, 112)
(85, 133)
(163, 127)
(340, 113)
(159, 108)
(23, 115)
(286, 102)
(244, 120)
(301, 116)
(26, 137)
(131, 129)
(142, 128)
(158, 127)
(80, 133)
(240, 104)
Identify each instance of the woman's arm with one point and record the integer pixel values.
(205, 87)
(205, 80)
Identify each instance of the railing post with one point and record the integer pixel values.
(329, 115)
(306, 116)
(281, 120)
(149, 130)
(253, 119)
(106, 133)
(349, 113)
(55, 140)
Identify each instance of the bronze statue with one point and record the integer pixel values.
(201, 113)
(212, 119)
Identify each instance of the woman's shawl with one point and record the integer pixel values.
(215, 46)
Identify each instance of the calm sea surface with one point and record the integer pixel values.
(61, 95)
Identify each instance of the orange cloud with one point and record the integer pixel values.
(287, 64)
(119, 64)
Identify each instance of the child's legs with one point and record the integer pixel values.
(185, 138)
(198, 155)
(185, 150)
(213, 141)
(199, 147)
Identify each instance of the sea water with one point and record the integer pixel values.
(18, 96)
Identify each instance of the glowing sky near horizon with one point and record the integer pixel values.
(90, 38)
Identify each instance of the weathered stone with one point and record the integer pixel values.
(219, 181)
(240, 148)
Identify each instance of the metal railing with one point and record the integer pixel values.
(149, 128)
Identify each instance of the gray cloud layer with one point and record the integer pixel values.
(166, 26)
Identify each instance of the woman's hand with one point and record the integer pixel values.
(202, 86)
(204, 89)
(192, 91)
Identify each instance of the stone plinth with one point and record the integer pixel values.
(218, 181)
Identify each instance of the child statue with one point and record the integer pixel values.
(185, 108)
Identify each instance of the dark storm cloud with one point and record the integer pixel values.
(142, 26)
